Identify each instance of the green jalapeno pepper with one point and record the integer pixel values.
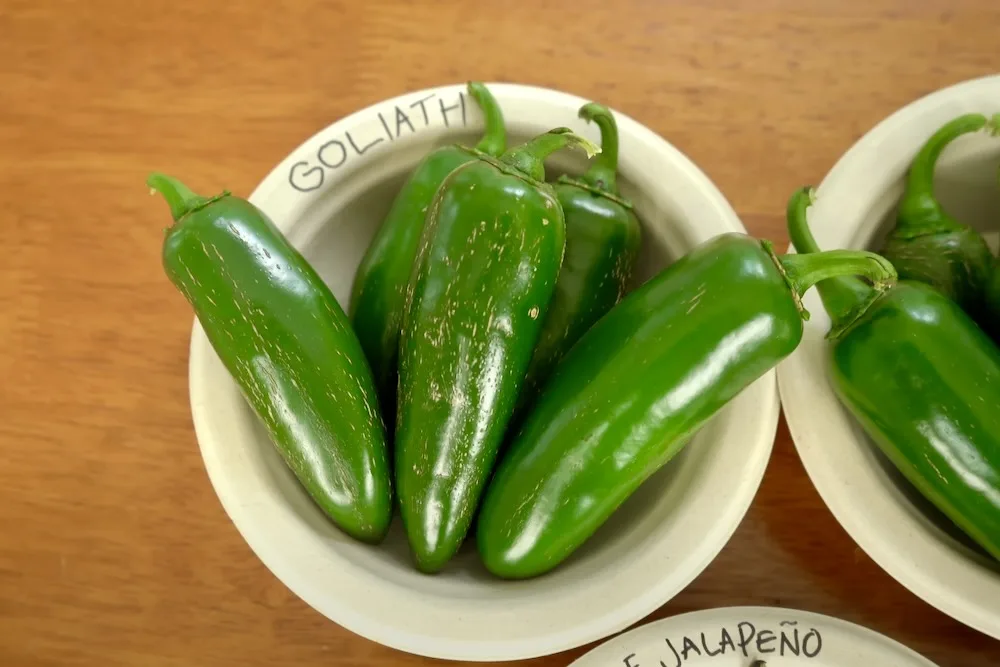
(283, 337)
(379, 290)
(487, 266)
(923, 380)
(602, 241)
(929, 245)
(627, 397)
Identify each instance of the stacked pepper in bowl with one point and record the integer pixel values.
(492, 373)
(508, 271)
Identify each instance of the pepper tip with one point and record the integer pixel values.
(592, 110)
(157, 180)
(178, 196)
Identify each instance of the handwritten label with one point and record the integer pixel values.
(745, 638)
(393, 123)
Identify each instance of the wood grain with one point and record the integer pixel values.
(115, 550)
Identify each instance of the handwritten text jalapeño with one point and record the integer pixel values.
(745, 639)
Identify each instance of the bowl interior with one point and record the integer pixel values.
(652, 547)
(333, 235)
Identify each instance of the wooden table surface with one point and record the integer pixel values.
(115, 550)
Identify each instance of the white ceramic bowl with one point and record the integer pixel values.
(855, 203)
(329, 196)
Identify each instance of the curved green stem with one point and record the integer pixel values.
(494, 141)
(603, 172)
(805, 271)
(530, 156)
(845, 296)
(797, 220)
(920, 213)
(180, 198)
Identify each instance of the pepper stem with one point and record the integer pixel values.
(920, 213)
(180, 198)
(845, 296)
(530, 156)
(603, 172)
(494, 141)
(805, 271)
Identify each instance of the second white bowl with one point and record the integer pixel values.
(855, 206)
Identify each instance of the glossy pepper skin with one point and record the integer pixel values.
(602, 242)
(485, 273)
(284, 339)
(638, 384)
(930, 246)
(379, 291)
(923, 380)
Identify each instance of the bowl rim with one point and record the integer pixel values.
(271, 195)
(903, 545)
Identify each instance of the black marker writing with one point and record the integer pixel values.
(786, 642)
(321, 154)
(742, 627)
(305, 181)
(688, 647)
(677, 657)
(361, 151)
(749, 639)
(709, 652)
(401, 118)
(385, 125)
(306, 175)
(765, 637)
(817, 640)
(427, 120)
(446, 109)
(726, 640)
